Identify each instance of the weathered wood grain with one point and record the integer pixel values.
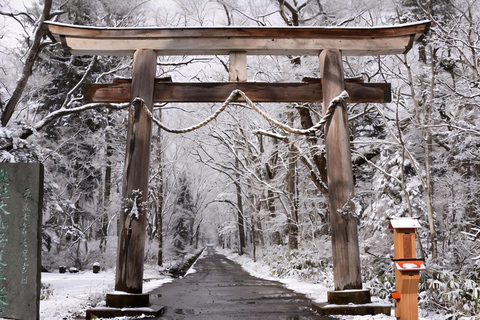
(131, 240)
(84, 40)
(237, 69)
(345, 249)
(119, 92)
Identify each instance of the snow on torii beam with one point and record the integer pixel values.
(82, 40)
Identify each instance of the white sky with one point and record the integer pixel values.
(10, 30)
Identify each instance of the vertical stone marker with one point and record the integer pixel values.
(21, 197)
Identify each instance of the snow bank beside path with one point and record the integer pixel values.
(315, 292)
(192, 269)
(69, 295)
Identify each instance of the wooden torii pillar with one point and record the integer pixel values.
(345, 250)
(329, 44)
(131, 240)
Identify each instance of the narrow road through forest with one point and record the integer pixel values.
(221, 289)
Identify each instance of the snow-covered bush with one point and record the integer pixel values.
(307, 263)
(457, 294)
(45, 291)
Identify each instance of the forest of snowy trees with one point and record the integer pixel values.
(241, 182)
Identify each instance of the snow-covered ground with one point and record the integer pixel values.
(68, 295)
(316, 292)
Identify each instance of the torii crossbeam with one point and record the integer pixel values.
(328, 43)
(83, 40)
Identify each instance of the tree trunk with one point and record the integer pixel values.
(131, 244)
(160, 237)
(346, 255)
(427, 142)
(160, 192)
(28, 67)
(240, 219)
(237, 72)
(254, 239)
(107, 190)
(197, 235)
(317, 154)
(106, 197)
(291, 190)
(423, 115)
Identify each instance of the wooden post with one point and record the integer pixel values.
(131, 239)
(346, 256)
(237, 69)
(407, 268)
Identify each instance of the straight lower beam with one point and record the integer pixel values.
(119, 92)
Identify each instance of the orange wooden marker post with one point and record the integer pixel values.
(407, 268)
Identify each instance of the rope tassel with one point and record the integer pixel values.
(339, 100)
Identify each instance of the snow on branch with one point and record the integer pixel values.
(68, 99)
(456, 127)
(473, 236)
(183, 63)
(272, 135)
(402, 145)
(313, 175)
(377, 167)
(32, 55)
(29, 130)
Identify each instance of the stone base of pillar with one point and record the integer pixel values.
(344, 309)
(120, 304)
(107, 312)
(358, 296)
(350, 302)
(127, 300)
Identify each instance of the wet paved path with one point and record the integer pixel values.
(221, 289)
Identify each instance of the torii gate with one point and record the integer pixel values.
(328, 43)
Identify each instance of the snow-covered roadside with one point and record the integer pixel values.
(192, 269)
(70, 294)
(315, 292)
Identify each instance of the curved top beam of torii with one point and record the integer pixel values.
(83, 40)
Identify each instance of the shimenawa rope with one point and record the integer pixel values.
(310, 131)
